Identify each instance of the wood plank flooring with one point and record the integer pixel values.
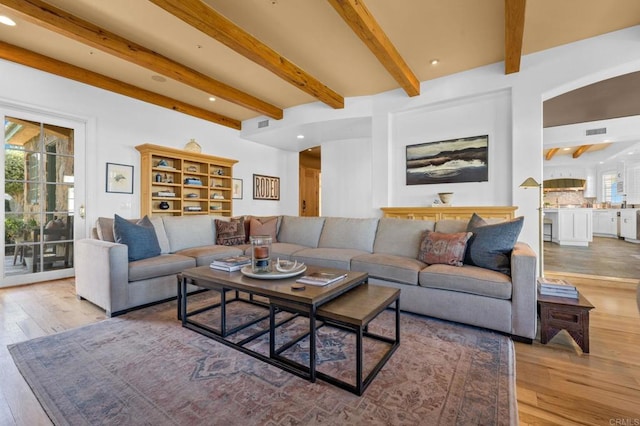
(556, 383)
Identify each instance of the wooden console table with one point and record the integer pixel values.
(439, 213)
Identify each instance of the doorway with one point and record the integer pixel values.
(310, 187)
(41, 196)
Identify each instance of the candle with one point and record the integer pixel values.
(261, 252)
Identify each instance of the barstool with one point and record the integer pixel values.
(544, 228)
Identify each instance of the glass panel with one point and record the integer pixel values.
(39, 197)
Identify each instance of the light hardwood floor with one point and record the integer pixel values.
(556, 383)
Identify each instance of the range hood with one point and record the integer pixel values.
(564, 184)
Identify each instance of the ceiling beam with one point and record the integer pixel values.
(61, 22)
(581, 150)
(199, 15)
(44, 63)
(357, 16)
(513, 34)
(551, 153)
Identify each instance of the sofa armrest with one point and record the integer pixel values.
(524, 296)
(102, 273)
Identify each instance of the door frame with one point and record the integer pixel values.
(80, 125)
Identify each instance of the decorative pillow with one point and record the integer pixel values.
(264, 227)
(438, 247)
(140, 237)
(230, 233)
(492, 244)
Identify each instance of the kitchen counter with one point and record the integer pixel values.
(571, 226)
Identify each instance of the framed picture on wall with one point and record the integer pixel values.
(266, 187)
(236, 189)
(448, 161)
(119, 178)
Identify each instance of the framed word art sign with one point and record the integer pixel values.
(266, 187)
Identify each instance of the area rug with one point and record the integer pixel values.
(144, 368)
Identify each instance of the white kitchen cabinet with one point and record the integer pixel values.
(605, 222)
(628, 224)
(572, 226)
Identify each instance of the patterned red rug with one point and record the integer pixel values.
(144, 368)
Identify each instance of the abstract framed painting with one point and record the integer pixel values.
(448, 161)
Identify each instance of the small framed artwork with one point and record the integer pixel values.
(266, 187)
(119, 178)
(236, 189)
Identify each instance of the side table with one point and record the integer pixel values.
(562, 313)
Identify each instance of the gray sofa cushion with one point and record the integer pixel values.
(204, 255)
(189, 231)
(389, 267)
(281, 250)
(449, 226)
(327, 257)
(348, 233)
(400, 237)
(158, 225)
(303, 231)
(158, 266)
(468, 279)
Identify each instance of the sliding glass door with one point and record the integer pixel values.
(41, 198)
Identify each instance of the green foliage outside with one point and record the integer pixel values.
(14, 226)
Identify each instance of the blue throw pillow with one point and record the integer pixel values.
(140, 237)
(490, 246)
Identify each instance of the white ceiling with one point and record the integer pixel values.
(462, 34)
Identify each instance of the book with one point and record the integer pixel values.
(164, 194)
(232, 261)
(571, 295)
(228, 268)
(555, 284)
(321, 278)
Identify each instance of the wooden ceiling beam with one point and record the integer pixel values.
(202, 17)
(581, 150)
(551, 153)
(61, 22)
(44, 63)
(358, 17)
(513, 34)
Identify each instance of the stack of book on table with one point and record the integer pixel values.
(556, 287)
(230, 264)
(321, 278)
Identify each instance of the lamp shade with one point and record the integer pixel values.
(530, 183)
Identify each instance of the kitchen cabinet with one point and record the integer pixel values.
(628, 224)
(571, 226)
(605, 222)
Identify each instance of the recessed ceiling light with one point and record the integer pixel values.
(434, 61)
(7, 21)
(300, 136)
(566, 149)
(158, 78)
(212, 99)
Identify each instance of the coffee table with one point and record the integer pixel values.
(277, 291)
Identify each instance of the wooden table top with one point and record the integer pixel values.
(580, 302)
(278, 288)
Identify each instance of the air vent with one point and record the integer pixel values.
(263, 123)
(600, 131)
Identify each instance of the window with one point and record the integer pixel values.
(610, 186)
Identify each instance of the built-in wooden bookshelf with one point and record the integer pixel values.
(447, 212)
(189, 183)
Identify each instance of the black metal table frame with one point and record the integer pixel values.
(306, 372)
(360, 384)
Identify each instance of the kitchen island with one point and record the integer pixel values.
(572, 226)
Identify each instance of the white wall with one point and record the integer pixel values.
(116, 124)
(466, 104)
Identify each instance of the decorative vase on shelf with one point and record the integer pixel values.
(193, 146)
(445, 197)
(163, 205)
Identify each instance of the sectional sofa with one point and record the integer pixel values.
(386, 248)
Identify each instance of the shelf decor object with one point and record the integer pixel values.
(119, 178)
(532, 183)
(193, 146)
(190, 183)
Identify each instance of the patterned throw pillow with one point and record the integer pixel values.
(230, 233)
(264, 227)
(140, 237)
(492, 244)
(445, 248)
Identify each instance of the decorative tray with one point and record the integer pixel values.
(273, 275)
